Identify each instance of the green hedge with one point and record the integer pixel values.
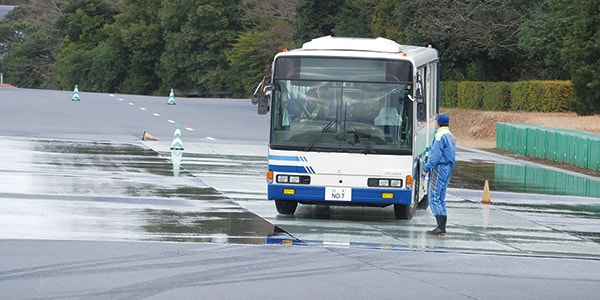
(470, 94)
(543, 96)
(448, 97)
(496, 96)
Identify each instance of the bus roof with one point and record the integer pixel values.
(365, 47)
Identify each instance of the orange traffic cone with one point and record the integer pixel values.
(485, 197)
(148, 137)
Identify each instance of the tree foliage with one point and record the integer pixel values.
(150, 46)
(196, 35)
(28, 42)
(477, 39)
(139, 31)
(570, 45)
(268, 27)
(581, 53)
(315, 18)
(89, 56)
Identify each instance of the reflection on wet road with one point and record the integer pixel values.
(523, 178)
(68, 190)
(104, 191)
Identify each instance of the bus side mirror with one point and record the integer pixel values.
(254, 99)
(260, 89)
(257, 93)
(421, 108)
(263, 100)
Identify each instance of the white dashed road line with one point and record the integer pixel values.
(158, 115)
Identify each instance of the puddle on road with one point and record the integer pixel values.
(215, 227)
(93, 168)
(105, 190)
(523, 179)
(580, 220)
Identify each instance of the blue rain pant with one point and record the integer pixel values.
(438, 181)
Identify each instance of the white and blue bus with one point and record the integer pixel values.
(351, 122)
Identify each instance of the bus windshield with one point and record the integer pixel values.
(341, 116)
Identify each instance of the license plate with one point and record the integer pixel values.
(338, 194)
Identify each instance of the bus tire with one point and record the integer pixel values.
(405, 212)
(286, 207)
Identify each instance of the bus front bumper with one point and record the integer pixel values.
(339, 195)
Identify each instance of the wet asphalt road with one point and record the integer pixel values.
(77, 179)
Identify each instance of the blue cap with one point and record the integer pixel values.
(443, 119)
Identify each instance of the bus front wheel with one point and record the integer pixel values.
(405, 212)
(286, 207)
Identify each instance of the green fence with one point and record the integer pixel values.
(579, 148)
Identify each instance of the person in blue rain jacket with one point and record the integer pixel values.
(439, 165)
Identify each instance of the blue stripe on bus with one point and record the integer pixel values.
(284, 157)
(288, 169)
(309, 170)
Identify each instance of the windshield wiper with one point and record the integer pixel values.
(360, 137)
(333, 121)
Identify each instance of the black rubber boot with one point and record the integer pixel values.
(440, 230)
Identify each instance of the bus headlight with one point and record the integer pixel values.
(385, 182)
(282, 178)
(293, 179)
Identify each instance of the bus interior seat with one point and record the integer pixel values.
(389, 121)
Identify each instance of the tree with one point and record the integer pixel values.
(90, 56)
(477, 39)
(354, 18)
(28, 42)
(569, 45)
(267, 30)
(197, 34)
(386, 23)
(554, 19)
(581, 53)
(29, 62)
(315, 18)
(140, 34)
